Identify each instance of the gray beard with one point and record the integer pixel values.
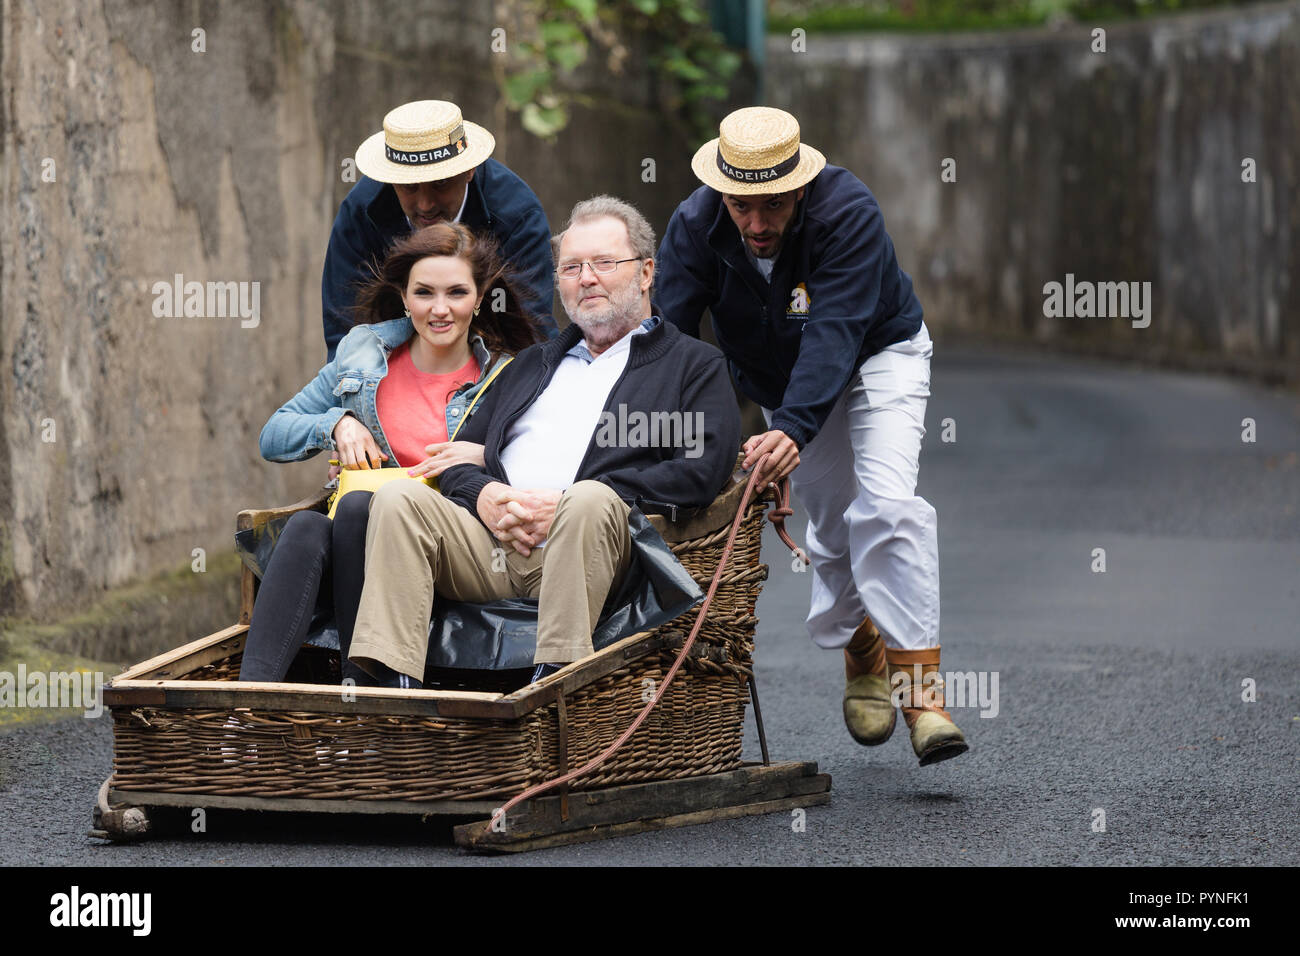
(621, 316)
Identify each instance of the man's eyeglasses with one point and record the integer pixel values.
(603, 266)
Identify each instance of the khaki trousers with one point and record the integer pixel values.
(419, 544)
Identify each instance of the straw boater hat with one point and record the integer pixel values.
(758, 152)
(424, 141)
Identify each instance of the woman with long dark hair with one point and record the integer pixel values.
(394, 396)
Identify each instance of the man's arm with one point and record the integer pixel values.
(346, 264)
(683, 277)
(844, 296)
(304, 425)
(698, 470)
(528, 250)
(463, 483)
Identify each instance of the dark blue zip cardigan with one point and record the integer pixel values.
(666, 371)
(790, 352)
(499, 204)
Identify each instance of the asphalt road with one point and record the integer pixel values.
(1119, 692)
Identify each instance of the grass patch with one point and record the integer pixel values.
(124, 626)
(37, 659)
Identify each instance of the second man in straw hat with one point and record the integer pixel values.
(429, 164)
(822, 330)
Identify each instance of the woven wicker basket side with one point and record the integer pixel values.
(323, 756)
(697, 727)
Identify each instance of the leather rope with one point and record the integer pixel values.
(777, 516)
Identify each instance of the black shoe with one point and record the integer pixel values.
(544, 670)
(385, 676)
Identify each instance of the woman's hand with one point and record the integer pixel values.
(446, 454)
(356, 446)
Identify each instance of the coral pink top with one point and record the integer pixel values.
(412, 405)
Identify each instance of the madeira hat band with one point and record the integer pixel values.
(424, 141)
(757, 152)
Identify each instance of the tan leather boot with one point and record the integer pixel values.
(934, 736)
(868, 710)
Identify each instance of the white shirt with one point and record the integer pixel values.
(764, 266)
(546, 444)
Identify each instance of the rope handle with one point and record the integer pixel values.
(777, 516)
(779, 513)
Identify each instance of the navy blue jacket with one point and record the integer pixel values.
(666, 372)
(499, 204)
(837, 296)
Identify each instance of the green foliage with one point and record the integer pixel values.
(521, 88)
(838, 15)
(555, 37)
(544, 121)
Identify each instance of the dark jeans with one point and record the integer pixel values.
(315, 559)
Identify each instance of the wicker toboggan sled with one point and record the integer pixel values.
(187, 733)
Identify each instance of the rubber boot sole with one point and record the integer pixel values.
(943, 751)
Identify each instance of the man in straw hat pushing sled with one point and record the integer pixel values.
(429, 164)
(822, 330)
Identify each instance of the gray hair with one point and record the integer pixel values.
(639, 231)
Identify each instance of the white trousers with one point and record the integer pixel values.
(873, 543)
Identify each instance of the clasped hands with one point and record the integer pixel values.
(520, 517)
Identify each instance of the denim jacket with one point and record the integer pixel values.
(305, 424)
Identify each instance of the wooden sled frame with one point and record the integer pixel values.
(559, 818)
(536, 824)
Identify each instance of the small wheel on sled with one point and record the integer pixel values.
(118, 823)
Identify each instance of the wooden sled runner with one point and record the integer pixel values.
(188, 734)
